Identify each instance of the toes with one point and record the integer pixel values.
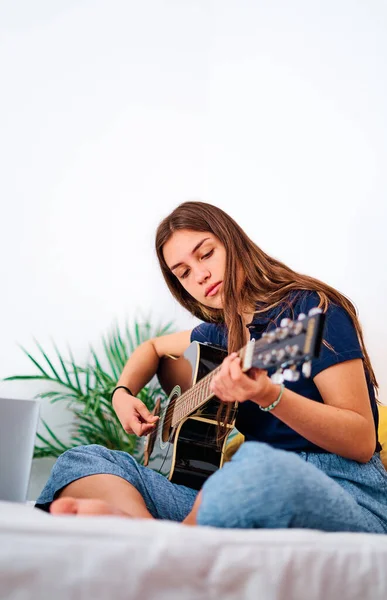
(83, 506)
(64, 506)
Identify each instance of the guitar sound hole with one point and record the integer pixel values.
(167, 424)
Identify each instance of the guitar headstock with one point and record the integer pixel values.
(284, 349)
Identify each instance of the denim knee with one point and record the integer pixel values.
(237, 494)
(266, 487)
(95, 459)
(83, 461)
(260, 487)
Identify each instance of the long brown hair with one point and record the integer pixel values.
(267, 281)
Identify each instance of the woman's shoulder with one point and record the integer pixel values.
(291, 306)
(297, 302)
(302, 301)
(341, 340)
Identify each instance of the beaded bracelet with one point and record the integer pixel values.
(271, 406)
(117, 388)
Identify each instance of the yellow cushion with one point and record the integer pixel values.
(382, 432)
(237, 440)
(233, 446)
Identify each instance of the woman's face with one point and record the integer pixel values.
(198, 260)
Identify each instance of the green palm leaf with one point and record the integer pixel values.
(62, 362)
(86, 390)
(75, 372)
(49, 362)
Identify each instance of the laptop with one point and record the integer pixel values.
(18, 425)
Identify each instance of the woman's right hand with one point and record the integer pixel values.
(133, 414)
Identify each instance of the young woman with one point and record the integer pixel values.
(311, 455)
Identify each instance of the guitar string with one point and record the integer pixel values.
(187, 396)
(193, 392)
(190, 394)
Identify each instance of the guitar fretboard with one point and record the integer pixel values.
(200, 393)
(193, 398)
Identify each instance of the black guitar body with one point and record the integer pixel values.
(189, 452)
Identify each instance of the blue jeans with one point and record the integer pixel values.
(262, 487)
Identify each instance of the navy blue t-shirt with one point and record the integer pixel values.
(340, 334)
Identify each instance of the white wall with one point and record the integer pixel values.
(111, 113)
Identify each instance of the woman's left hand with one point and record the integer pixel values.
(231, 384)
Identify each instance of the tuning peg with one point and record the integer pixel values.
(314, 311)
(281, 333)
(297, 327)
(291, 375)
(268, 336)
(293, 350)
(307, 369)
(285, 322)
(266, 359)
(301, 317)
(277, 377)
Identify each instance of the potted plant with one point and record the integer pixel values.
(86, 390)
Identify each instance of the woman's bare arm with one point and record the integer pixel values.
(142, 364)
(139, 369)
(344, 424)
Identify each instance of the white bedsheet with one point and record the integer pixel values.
(95, 558)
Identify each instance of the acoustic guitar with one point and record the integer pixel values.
(184, 445)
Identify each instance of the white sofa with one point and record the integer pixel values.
(99, 558)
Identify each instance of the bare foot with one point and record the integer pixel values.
(84, 507)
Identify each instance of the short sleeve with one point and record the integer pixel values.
(339, 333)
(211, 333)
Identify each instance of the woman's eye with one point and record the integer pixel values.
(185, 274)
(210, 253)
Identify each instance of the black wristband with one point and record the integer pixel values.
(117, 388)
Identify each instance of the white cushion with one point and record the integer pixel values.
(101, 558)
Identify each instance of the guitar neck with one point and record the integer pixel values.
(194, 398)
(200, 393)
